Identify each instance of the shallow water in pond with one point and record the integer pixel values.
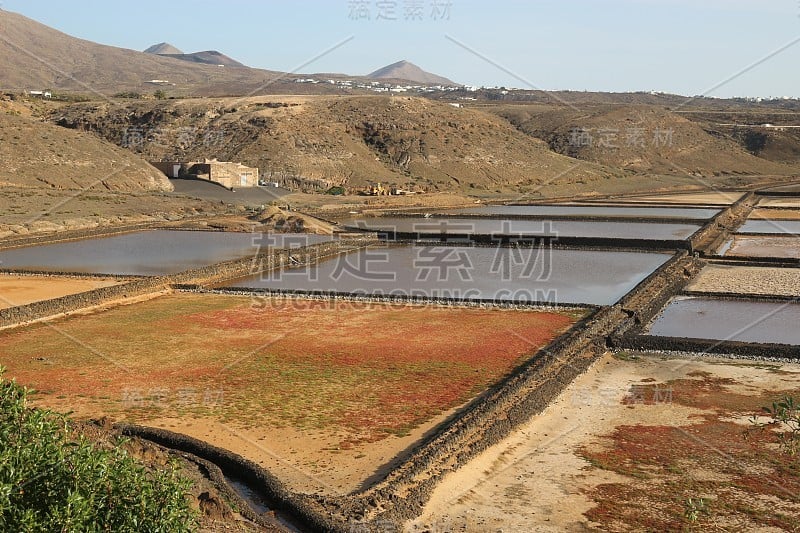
(257, 502)
(735, 320)
(790, 227)
(565, 228)
(155, 252)
(579, 210)
(524, 275)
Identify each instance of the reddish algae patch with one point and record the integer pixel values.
(744, 480)
(366, 369)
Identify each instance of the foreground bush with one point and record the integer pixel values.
(50, 481)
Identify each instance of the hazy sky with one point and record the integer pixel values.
(681, 46)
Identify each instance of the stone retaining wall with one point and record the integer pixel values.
(710, 347)
(556, 241)
(384, 299)
(575, 218)
(713, 235)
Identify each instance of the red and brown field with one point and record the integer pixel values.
(315, 382)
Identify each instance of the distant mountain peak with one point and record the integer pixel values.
(406, 70)
(162, 48)
(208, 57)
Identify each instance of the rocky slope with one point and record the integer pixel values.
(640, 139)
(320, 142)
(36, 154)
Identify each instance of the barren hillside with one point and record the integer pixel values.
(347, 141)
(36, 154)
(36, 56)
(639, 138)
(768, 134)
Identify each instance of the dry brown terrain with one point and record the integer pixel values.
(625, 447)
(643, 139)
(745, 126)
(21, 290)
(34, 210)
(36, 154)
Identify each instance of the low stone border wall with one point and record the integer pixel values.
(710, 347)
(742, 296)
(718, 230)
(561, 241)
(576, 218)
(786, 194)
(666, 282)
(384, 299)
(741, 261)
(71, 275)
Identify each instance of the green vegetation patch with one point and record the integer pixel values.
(53, 481)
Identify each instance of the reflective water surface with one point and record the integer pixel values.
(485, 273)
(155, 252)
(735, 320)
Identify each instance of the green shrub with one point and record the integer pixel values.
(336, 191)
(784, 414)
(52, 481)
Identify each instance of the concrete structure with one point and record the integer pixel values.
(173, 169)
(227, 174)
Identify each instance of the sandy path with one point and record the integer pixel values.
(748, 280)
(534, 480)
(21, 290)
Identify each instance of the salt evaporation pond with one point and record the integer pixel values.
(147, 253)
(729, 320)
(593, 211)
(524, 275)
(761, 246)
(563, 228)
(789, 227)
